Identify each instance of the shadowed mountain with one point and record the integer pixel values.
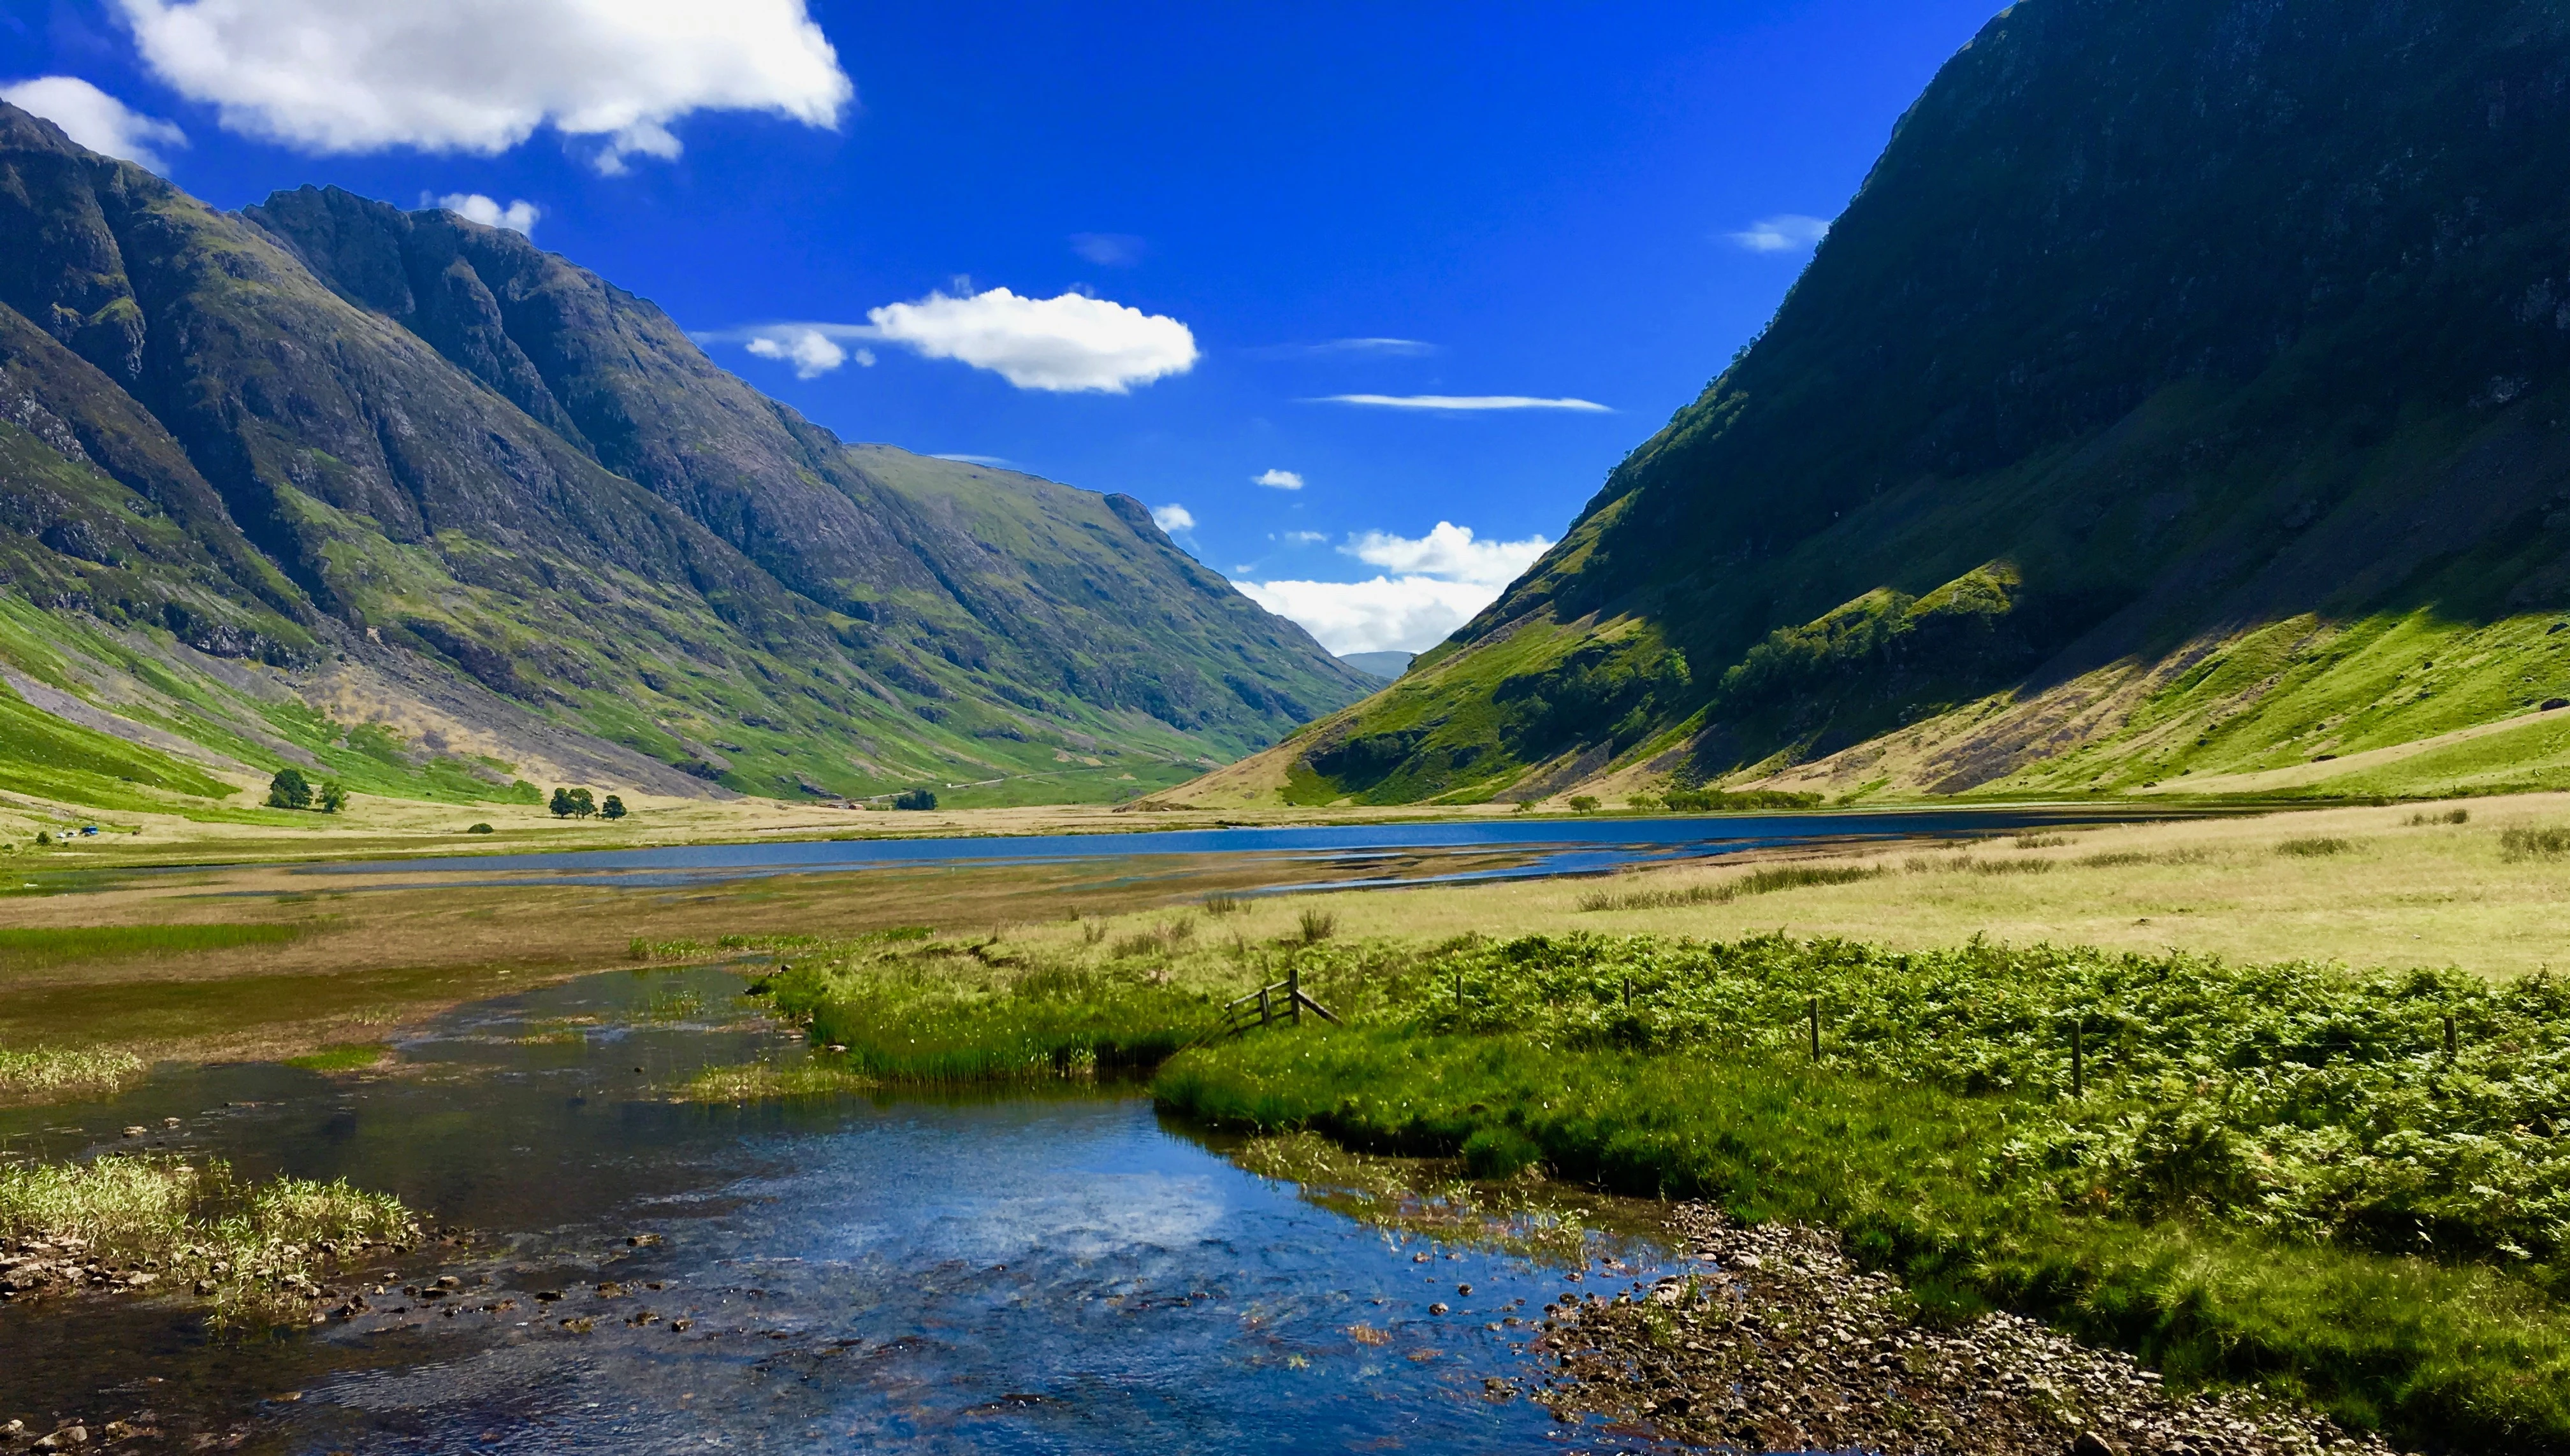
(2182, 395)
(404, 497)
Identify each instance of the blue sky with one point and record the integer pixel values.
(1215, 226)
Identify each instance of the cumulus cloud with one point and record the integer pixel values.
(1449, 552)
(1784, 232)
(1173, 517)
(97, 120)
(517, 217)
(1432, 584)
(481, 76)
(1281, 479)
(1385, 614)
(1464, 402)
(1107, 249)
(1065, 344)
(815, 349)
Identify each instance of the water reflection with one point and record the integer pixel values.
(1059, 1273)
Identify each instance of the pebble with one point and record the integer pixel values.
(1774, 1340)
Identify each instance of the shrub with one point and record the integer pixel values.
(1318, 927)
(2450, 816)
(334, 798)
(289, 790)
(1584, 803)
(481, 829)
(2533, 844)
(915, 799)
(2041, 841)
(2314, 847)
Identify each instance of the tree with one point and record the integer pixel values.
(1584, 803)
(289, 790)
(613, 807)
(582, 806)
(561, 806)
(333, 797)
(915, 799)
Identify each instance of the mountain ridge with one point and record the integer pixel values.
(2182, 392)
(320, 453)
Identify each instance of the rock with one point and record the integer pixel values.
(1463, 1289)
(1437, 1308)
(2089, 1443)
(676, 1326)
(135, 1132)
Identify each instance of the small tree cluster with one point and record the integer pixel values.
(915, 799)
(292, 790)
(573, 803)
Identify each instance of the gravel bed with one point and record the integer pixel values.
(1775, 1341)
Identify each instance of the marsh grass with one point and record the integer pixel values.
(2545, 842)
(2315, 846)
(767, 1082)
(1972, 864)
(1430, 1197)
(1223, 903)
(914, 1013)
(2041, 841)
(257, 1245)
(1767, 880)
(50, 1074)
(24, 951)
(353, 1057)
(2449, 816)
(1315, 925)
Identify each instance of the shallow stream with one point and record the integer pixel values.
(1060, 1273)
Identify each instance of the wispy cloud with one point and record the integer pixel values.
(1376, 347)
(1304, 538)
(1280, 479)
(1173, 517)
(1784, 232)
(1462, 402)
(1109, 249)
(989, 459)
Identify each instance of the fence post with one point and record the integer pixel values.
(1262, 1007)
(1628, 993)
(1458, 993)
(1816, 1028)
(2078, 1073)
(1294, 994)
(2449, 1035)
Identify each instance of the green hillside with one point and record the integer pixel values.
(402, 498)
(2180, 398)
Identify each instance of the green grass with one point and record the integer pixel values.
(937, 1012)
(23, 950)
(256, 1244)
(767, 1082)
(50, 1074)
(354, 1056)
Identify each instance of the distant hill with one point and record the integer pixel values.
(2180, 405)
(1378, 665)
(408, 500)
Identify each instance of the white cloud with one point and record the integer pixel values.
(517, 217)
(481, 76)
(1282, 480)
(811, 352)
(1065, 344)
(1173, 517)
(991, 459)
(1304, 538)
(1109, 249)
(1785, 232)
(1385, 614)
(1464, 402)
(97, 120)
(1434, 584)
(1450, 551)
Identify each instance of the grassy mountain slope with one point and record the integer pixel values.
(402, 498)
(2181, 397)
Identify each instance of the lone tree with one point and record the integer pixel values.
(914, 799)
(333, 797)
(289, 790)
(613, 807)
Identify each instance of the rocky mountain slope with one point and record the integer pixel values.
(2179, 404)
(406, 499)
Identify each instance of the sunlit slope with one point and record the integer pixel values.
(408, 500)
(2181, 396)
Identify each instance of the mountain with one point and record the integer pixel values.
(405, 498)
(2180, 398)
(1378, 665)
